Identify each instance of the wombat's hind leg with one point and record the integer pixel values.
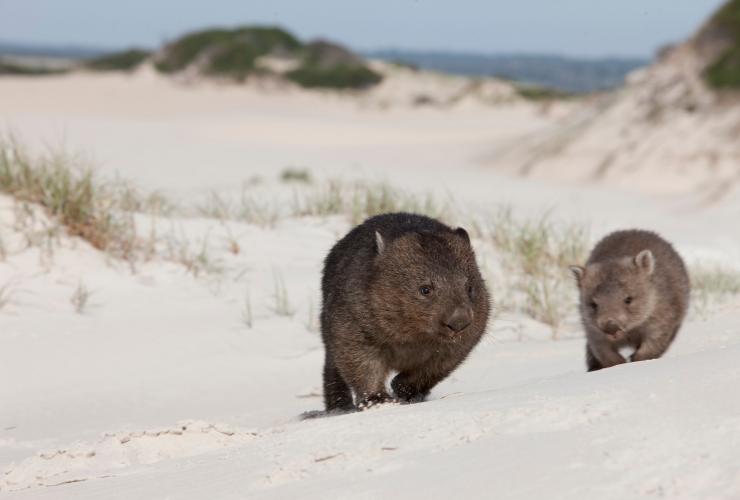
(592, 363)
(337, 394)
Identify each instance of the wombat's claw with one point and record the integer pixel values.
(416, 398)
(375, 400)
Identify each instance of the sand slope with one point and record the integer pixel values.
(664, 132)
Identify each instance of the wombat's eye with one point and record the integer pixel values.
(628, 300)
(470, 291)
(594, 305)
(425, 289)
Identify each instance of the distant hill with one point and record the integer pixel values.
(233, 53)
(8, 48)
(557, 72)
(252, 50)
(226, 53)
(244, 51)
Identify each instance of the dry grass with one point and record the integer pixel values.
(531, 255)
(282, 305)
(247, 316)
(535, 254)
(248, 208)
(711, 286)
(6, 295)
(80, 298)
(70, 194)
(53, 194)
(195, 257)
(132, 199)
(360, 200)
(312, 320)
(65, 192)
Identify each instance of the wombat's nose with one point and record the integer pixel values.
(459, 320)
(611, 327)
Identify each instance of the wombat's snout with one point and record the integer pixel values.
(459, 319)
(611, 327)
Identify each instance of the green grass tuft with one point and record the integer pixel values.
(71, 194)
(712, 286)
(291, 174)
(535, 255)
(359, 200)
(337, 77)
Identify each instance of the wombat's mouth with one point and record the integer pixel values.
(451, 335)
(615, 334)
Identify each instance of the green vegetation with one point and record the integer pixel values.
(338, 77)
(535, 255)
(118, 61)
(10, 68)
(538, 93)
(724, 73)
(326, 65)
(360, 200)
(234, 54)
(716, 280)
(531, 255)
(712, 285)
(282, 305)
(71, 195)
(248, 208)
(296, 175)
(231, 53)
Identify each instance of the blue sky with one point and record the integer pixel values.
(572, 27)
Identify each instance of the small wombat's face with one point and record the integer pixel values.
(428, 286)
(617, 296)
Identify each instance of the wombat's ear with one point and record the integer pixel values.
(463, 233)
(379, 243)
(645, 261)
(578, 272)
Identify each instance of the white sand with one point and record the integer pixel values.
(91, 402)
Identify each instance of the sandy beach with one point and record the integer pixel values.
(184, 377)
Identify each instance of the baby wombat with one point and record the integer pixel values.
(634, 292)
(401, 292)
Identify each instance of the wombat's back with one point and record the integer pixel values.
(349, 260)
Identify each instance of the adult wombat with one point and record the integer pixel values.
(634, 292)
(401, 292)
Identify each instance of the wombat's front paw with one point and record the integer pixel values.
(407, 393)
(377, 398)
(416, 398)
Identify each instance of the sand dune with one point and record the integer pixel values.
(665, 132)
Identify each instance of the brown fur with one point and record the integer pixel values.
(376, 319)
(634, 291)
